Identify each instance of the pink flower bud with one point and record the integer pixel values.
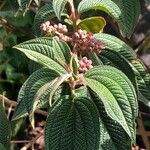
(84, 42)
(84, 64)
(55, 29)
(47, 23)
(55, 26)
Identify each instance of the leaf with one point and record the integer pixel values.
(142, 75)
(111, 133)
(4, 128)
(30, 88)
(72, 125)
(49, 88)
(112, 58)
(46, 12)
(93, 24)
(117, 94)
(57, 84)
(2, 147)
(62, 52)
(120, 10)
(44, 60)
(115, 44)
(143, 80)
(58, 6)
(57, 50)
(95, 59)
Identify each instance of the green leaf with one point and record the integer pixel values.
(95, 59)
(114, 43)
(30, 88)
(117, 94)
(58, 6)
(46, 51)
(55, 86)
(59, 51)
(46, 12)
(143, 81)
(119, 10)
(72, 124)
(111, 133)
(44, 60)
(93, 24)
(2, 147)
(142, 75)
(113, 58)
(4, 128)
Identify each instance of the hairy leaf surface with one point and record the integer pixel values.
(58, 6)
(111, 133)
(117, 94)
(120, 10)
(112, 58)
(30, 88)
(46, 12)
(73, 124)
(114, 43)
(143, 77)
(56, 50)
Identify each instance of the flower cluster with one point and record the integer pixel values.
(84, 64)
(84, 42)
(56, 30)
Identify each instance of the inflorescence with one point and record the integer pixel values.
(81, 41)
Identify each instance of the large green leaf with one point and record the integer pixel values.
(30, 88)
(113, 58)
(46, 51)
(44, 60)
(114, 43)
(143, 81)
(117, 94)
(111, 133)
(56, 50)
(58, 6)
(143, 77)
(4, 128)
(120, 10)
(46, 12)
(73, 124)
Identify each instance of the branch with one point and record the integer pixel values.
(12, 103)
(32, 142)
(142, 132)
(3, 4)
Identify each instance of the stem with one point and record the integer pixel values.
(32, 142)
(73, 16)
(3, 4)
